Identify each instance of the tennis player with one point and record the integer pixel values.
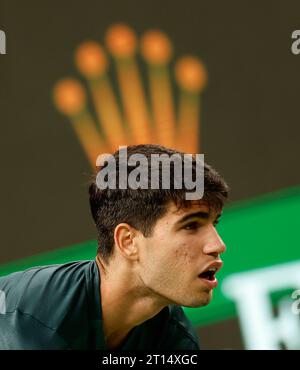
(156, 252)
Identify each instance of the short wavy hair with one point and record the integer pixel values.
(141, 208)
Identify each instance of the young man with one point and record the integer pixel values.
(157, 251)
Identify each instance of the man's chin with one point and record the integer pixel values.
(197, 302)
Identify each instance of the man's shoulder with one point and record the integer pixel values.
(43, 292)
(49, 307)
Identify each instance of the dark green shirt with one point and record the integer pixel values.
(59, 307)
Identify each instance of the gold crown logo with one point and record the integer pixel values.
(140, 117)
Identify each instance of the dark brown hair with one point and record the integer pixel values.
(141, 208)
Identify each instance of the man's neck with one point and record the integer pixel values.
(126, 303)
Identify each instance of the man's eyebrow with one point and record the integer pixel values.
(201, 214)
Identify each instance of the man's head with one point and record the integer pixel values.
(169, 241)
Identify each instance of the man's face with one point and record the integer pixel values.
(184, 245)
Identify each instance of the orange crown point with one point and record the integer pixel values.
(156, 47)
(90, 59)
(121, 40)
(191, 74)
(69, 96)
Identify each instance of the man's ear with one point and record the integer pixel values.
(125, 241)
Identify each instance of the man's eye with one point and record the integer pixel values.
(192, 226)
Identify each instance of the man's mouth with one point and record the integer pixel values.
(209, 274)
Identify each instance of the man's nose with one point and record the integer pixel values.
(214, 244)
